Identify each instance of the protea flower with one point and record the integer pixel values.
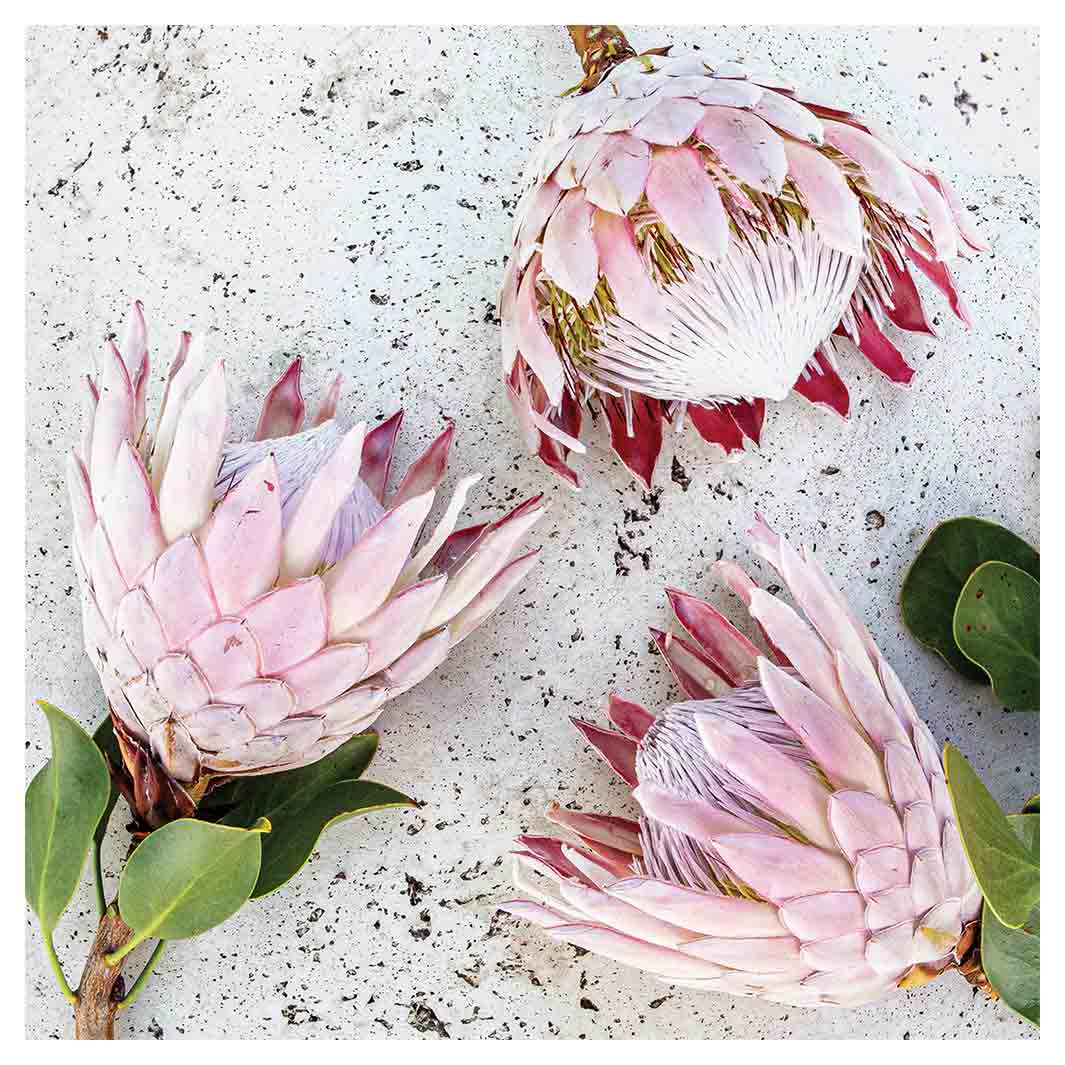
(696, 237)
(796, 840)
(249, 605)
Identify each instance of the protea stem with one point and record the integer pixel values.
(599, 48)
(102, 988)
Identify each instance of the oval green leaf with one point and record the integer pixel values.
(996, 626)
(300, 824)
(189, 876)
(1010, 960)
(1006, 870)
(935, 580)
(1010, 956)
(64, 804)
(1032, 805)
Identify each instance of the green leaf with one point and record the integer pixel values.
(996, 625)
(104, 738)
(1010, 956)
(189, 876)
(300, 824)
(64, 804)
(1010, 960)
(302, 803)
(1006, 870)
(940, 570)
(1026, 825)
(1032, 805)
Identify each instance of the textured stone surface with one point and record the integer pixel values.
(346, 195)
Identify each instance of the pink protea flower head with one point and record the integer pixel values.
(249, 605)
(697, 237)
(796, 840)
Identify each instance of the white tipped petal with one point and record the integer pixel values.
(187, 490)
(361, 581)
(569, 257)
(313, 517)
(683, 193)
(243, 541)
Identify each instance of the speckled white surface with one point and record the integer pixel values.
(346, 195)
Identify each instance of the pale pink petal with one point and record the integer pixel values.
(181, 683)
(138, 624)
(801, 646)
(107, 583)
(861, 821)
(825, 915)
(179, 588)
(227, 653)
(756, 955)
(779, 869)
(328, 490)
(361, 581)
(265, 702)
(184, 373)
(712, 915)
(790, 116)
(837, 748)
(613, 912)
(637, 296)
(569, 257)
(940, 218)
(695, 817)
(113, 422)
(389, 631)
(784, 786)
(484, 603)
(891, 950)
(615, 179)
(686, 197)
(187, 491)
(670, 123)
(827, 197)
(629, 951)
(751, 149)
(887, 175)
(327, 409)
(289, 623)
(836, 953)
(325, 675)
(881, 869)
(866, 699)
(416, 663)
(242, 544)
(488, 556)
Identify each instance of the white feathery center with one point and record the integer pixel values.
(743, 328)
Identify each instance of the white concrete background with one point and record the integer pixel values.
(347, 195)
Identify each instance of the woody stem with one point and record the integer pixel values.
(599, 48)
